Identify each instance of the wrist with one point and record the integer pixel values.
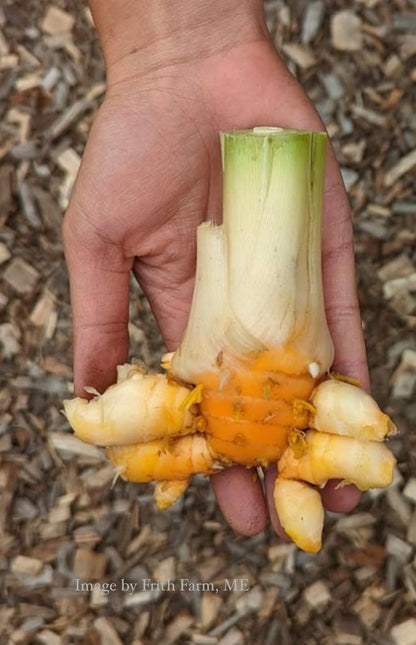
(138, 36)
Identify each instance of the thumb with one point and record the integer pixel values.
(99, 286)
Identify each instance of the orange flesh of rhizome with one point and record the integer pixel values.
(249, 416)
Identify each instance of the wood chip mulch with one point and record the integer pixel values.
(62, 523)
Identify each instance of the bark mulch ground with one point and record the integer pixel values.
(61, 521)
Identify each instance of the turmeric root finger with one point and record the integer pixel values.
(345, 409)
(367, 464)
(300, 512)
(166, 493)
(139, 408)
(173, 458)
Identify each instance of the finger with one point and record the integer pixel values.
(293, 109)
(341, 302)
(340, 499)
(269, 479)
(342, 309)
(240, 498)
(99, 285)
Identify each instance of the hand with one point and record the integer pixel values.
(150, 174)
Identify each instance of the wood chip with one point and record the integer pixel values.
(8, 62)
(344, 638)
(98, 598)
(165, 570)
(349, 177)
(370, 555)
(64, 40)
(28, 82)
(400, 507)
(70, 445)
(312, 20)
(354, 152)
(21, 275)
(101, 478)
(251, 600)
(371, 116)
(357, 520)
(300, 55)
(408, 46)
(86, 536)
(23, 119)
(9, 340)
(177, 628)
(6, 196)
(317, 595)
(409, 490)
(27, 56)
(233, 637)
(368, 611)
(202, 639)
(378, 210)
(47, 637)
(89, 565)
(44, 313)
(402, 167)
(52, 531)
(42, 580)
(405, 21)
(146, 535)
(57, 21)
(22, 564)
(4, 45)
(29, 207)
(50, 79)
(281, 552)
(346, 31)
(69, 161)
(398, 548)
(404, 633)
(141, 598)
(393, 66)
(106, 632)
(411, 530)
(404, 377)
(210, 607)
(399, 267)
(61, 512)
(8, 483)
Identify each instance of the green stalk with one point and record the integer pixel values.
(272, 207)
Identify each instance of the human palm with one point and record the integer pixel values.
(150, 174)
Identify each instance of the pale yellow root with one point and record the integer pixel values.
(138, 408)
(171, 459)
(367, 464)
(166, 493)
(344, 409)
(300, 512)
